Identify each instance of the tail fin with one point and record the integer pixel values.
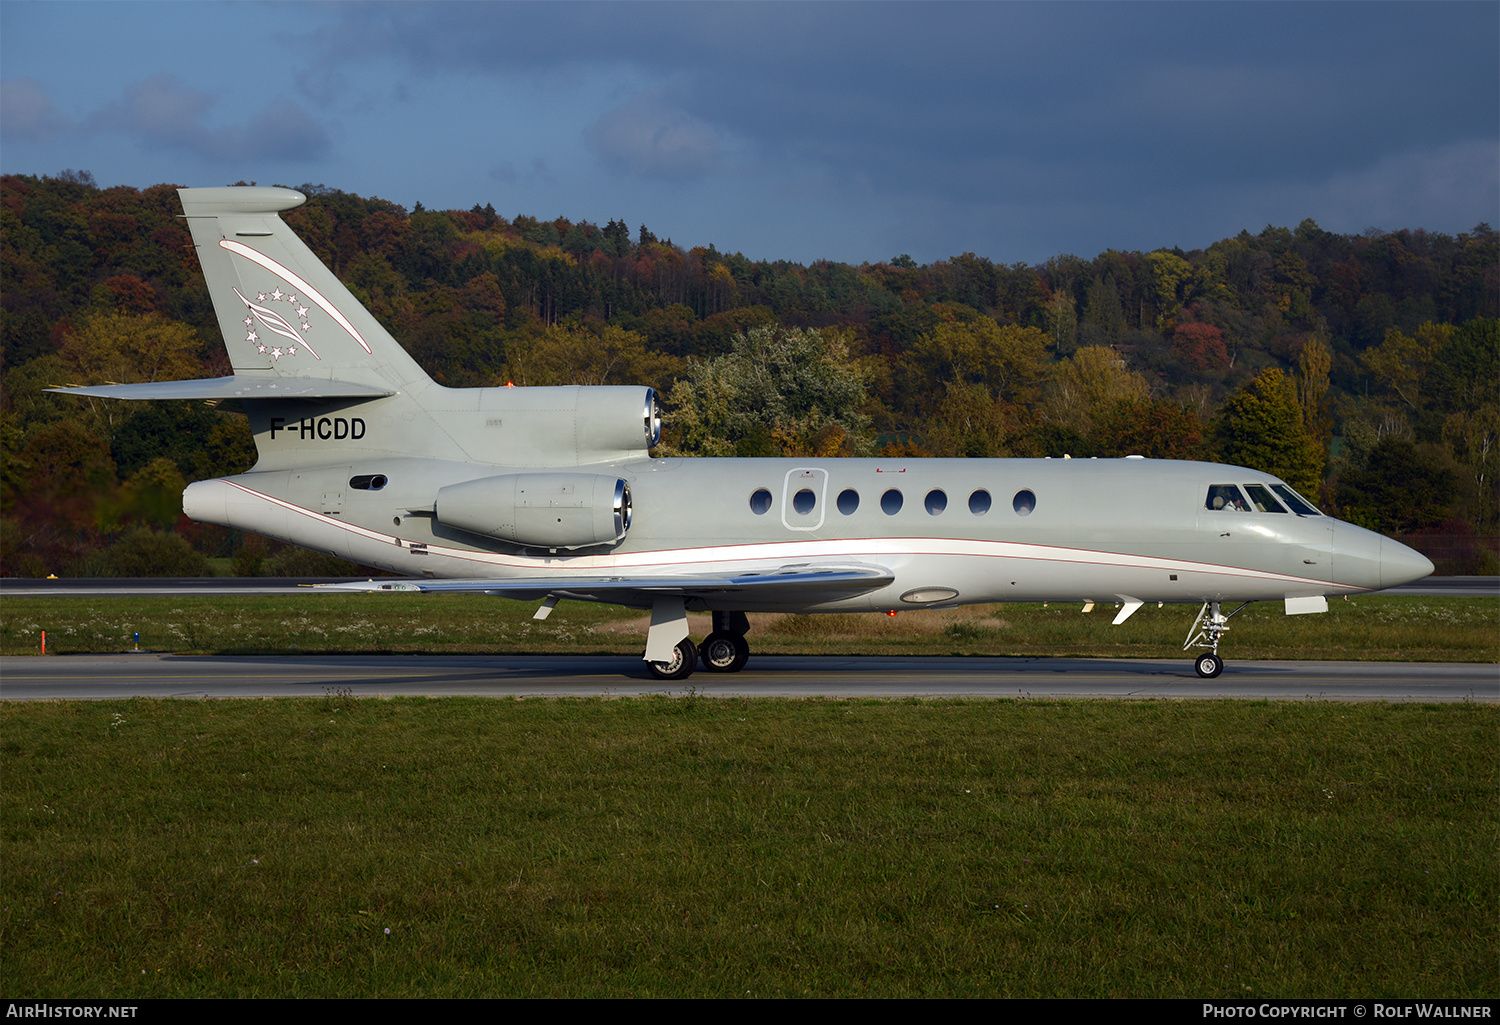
(281, 311)
(324, 384)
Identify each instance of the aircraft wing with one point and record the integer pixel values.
(804, 582)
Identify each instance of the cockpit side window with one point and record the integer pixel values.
(1262, 499)
(1226, 497)
(1300, 505)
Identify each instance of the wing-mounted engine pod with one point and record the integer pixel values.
(540, 510)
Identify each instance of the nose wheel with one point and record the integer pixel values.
(1209, 665)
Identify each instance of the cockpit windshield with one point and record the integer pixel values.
(1232, 498)
(1262, 499)
(1300, 505)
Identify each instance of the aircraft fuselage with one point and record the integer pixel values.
(952, 531)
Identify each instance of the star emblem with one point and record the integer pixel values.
(266, 318)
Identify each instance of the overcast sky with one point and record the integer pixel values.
(796, 131)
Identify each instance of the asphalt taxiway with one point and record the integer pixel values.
(94, 677)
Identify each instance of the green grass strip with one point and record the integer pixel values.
(1372, 627)
(696, 847)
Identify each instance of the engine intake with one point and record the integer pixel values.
(540, 510)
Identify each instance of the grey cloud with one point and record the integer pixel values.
(906, 91)
(159, 109)
(27, 112)
(1070, 121)
(162, 110)
(505, 171)
(650, 136)
(1441, 185)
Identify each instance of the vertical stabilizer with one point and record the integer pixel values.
(282, 312)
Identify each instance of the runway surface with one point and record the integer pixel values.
(94, 677)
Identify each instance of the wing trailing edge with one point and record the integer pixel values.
(787, 582)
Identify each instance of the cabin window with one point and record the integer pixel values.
(1262, 499)
(760, 502)
(979, 502)
(1226, 497)
(368, 482)
(1300, 505)
(804, 500)
(1024, 502)
(935, 502)
(848, 501)
(890, 502)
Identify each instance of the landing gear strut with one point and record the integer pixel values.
(1206, 632)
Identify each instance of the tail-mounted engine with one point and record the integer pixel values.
(564, 426)
(540, 510)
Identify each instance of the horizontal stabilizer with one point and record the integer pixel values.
(238, 386)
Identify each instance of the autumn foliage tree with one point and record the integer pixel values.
(1200, 348)
(781, 391)
(1261, 427)
(1388, 333)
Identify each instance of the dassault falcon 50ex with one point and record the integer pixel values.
(551, 493)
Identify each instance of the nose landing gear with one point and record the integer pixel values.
(1206, 632)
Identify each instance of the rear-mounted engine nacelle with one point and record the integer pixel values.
(540, 510)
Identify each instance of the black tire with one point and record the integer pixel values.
(724, 652)
(1209, 665)
(684, 661)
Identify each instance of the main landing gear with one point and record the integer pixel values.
(723, 651)
(684, 661)
(1210, 626)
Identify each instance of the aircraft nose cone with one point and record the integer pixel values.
(1400, 564)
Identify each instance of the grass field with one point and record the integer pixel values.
(1374, 627)
(466, 847)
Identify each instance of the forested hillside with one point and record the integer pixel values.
(1364, 368)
